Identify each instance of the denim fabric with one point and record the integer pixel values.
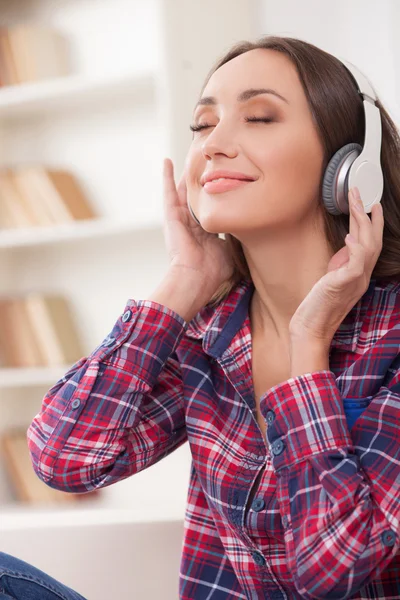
(22, 581)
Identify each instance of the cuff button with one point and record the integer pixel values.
(388, 538)
(127, 316)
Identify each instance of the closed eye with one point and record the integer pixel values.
(248, 119)
(258, 119)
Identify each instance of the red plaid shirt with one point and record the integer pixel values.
(324, 521)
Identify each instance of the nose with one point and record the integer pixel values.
(220, 141)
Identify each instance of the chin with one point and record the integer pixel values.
(212, 226)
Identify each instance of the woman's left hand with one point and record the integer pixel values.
(346, 281)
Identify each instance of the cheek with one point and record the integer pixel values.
(293, 165)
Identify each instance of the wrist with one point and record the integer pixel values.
(308, 356)
(182, 292)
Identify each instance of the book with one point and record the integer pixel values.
(8, 340)
(7, 218)
(55, 329)
(16, 212)
(38, 330)
(23, 334)
(36, 196)
(38, 52)
(71, 192)
(39, 191)
(31, 197)
(10, 75)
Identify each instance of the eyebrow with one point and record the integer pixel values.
(242, 97)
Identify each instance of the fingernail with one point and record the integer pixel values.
(356, 192)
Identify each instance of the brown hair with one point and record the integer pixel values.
(339, 116)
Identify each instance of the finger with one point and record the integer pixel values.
(357, 259)
(370, 233)
(353, 223)
(170, 193)
(365, 231)
(181, 188)
(378, 223)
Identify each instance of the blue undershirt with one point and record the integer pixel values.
(354, 407)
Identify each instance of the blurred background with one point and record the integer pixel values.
(93, 95)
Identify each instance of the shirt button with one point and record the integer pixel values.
(278, 447)
(388, 538)
(258, 557)
(258, 504)
(285, 521)
(109, 341)
(127, 316)
(270, 417)
(76, 403)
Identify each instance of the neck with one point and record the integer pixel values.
(283, 268)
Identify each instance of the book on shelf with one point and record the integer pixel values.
(32, 52)
(36, 196)
(27, 486)
(38, 330)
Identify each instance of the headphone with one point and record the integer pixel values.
(354, 165)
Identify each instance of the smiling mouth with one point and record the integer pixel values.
(224, 184)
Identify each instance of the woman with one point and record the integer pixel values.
(251, 347)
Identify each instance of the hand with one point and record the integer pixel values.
(192, 250)
(346, 281)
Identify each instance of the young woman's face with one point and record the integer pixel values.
(283, 156)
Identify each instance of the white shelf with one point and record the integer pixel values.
(19, 377)
(63, 92)
(17, 517)
(71, 232)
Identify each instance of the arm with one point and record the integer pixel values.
(339, 496)
(116, 412)
(120, 410)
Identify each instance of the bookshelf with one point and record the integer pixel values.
(85, 230)
(137, 70)
(21, 377)
(59, 93)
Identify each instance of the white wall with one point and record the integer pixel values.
(365, 32)
(121, 560)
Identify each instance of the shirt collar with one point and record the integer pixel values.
(216, 326)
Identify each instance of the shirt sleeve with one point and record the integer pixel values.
(117, 411)
(338, 496)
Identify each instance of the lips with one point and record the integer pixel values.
(217, 186)
(225, 174)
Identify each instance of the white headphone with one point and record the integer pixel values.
(354, 165)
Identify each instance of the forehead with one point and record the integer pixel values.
(254, 69)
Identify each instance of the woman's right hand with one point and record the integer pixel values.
(189, 246)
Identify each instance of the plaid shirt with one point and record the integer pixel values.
(324, 521)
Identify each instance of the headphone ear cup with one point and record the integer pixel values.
(335, 182)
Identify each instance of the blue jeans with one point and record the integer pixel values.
(21, 581)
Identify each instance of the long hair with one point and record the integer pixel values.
(338, 113)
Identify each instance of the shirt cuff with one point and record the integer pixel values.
(305, 416)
